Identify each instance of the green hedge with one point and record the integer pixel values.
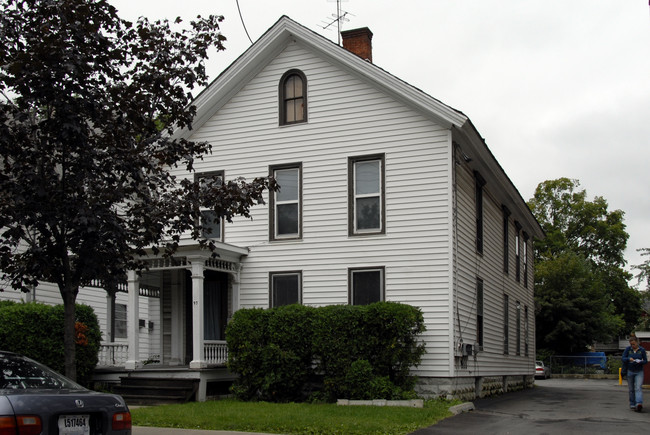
(360, 352)
(36, 331)
(271, 350)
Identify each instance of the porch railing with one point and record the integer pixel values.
(116, 354)
(113, 354)
(216, 351)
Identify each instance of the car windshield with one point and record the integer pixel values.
(17, 372)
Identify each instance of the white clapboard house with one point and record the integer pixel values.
(387, 194)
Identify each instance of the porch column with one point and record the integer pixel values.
(198, 360)
(235, 289)
(133, 316)
(177, 318)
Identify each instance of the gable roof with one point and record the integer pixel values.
(285, 31)
(274, 40)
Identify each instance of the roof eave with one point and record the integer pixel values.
(487, 165)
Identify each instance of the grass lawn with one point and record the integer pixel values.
(292, 418)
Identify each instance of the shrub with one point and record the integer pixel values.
(384, 334)
(88, 339)
(6, 304)
(360, 351)
(271, 350)
(36, 331)
(290, 338)
(614, 362)
(362, 383)
(246, 338)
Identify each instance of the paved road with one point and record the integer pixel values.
(554, 406)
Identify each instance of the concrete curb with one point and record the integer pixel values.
(414, 403)
(463, 407)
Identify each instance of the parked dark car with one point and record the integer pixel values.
(36, 400)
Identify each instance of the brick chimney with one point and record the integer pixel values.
(359, 42)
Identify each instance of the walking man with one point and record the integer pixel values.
(635, 357)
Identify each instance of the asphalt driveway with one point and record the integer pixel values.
(554, 406)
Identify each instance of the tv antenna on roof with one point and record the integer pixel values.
(339, 17)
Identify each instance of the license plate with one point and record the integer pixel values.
(74, 424)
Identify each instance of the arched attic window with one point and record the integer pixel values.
(293, 97)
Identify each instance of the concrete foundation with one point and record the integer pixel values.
(471, 387)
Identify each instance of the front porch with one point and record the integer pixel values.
(175, 317)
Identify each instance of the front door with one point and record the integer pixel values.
(215, 305)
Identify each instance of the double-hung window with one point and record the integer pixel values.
(525, 259)
(479, 313)
(506, 240)
(293, 97)
(525, 330)
(518, 348)
(366, 195)
(119, 321)
(506, 324)
(211, 224)
(366, 285)
(286, 203)
(286, 288)
(479, 183)
(518, 251)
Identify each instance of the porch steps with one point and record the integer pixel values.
(156, 391)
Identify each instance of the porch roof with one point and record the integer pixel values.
(225, 257)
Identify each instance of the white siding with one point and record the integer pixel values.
(9, 294)
(489, 268)
(346, 118)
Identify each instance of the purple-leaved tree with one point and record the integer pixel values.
(88, 106)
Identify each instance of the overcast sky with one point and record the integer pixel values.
(558, 88)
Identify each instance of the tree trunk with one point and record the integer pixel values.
(69, 298)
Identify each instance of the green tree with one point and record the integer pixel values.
(644, 269)
(643, 277)
(573, 309)
(581, 256)
(573, 223)
(85, 182)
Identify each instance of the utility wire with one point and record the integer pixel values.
(242, 22)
